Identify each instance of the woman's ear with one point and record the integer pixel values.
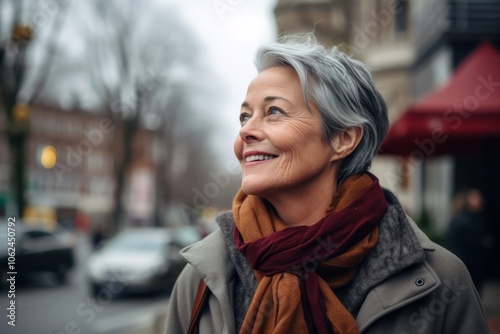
(345, 142)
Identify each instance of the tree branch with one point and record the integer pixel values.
(52, 49)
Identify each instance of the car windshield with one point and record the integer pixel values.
(135, 244)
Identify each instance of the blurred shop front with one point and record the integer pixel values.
(458, 124)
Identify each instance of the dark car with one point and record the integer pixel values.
(37, 250)
(139, 260)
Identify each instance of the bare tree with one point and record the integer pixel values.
(146, 65)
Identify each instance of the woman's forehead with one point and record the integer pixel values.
(276, 79)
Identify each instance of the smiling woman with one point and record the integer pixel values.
(313, 243)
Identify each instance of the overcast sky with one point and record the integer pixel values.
(231, 34)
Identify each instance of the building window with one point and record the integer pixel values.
(107, 164)
(32, 181)
(75, 126)
(51, 124)
(48, 182)
(34, 121)
(401, 12)
(61, 126)
(95, 162)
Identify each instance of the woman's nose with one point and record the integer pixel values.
(252, 130)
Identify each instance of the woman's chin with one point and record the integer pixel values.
(253, 188)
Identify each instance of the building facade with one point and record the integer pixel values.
(71, 168)
(81, 175)
(413, 48)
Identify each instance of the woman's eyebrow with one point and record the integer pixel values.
(245, 104)
(272, 98)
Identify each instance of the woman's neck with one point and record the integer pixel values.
(304, 206)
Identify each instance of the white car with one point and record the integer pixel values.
(139, 260)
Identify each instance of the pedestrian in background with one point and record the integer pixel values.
(313, 243)
(466, 236)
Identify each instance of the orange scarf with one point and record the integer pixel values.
(278, 303)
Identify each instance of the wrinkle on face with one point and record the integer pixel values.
(296, 135)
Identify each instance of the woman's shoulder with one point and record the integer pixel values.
(447, 265)
(209, 251)
(442, 261)
(210, 256)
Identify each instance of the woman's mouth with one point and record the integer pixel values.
(258, 157)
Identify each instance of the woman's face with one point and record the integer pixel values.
(280, 145)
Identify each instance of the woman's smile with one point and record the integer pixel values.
(255, 157)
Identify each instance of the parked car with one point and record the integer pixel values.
(139, 260)
(38, 250)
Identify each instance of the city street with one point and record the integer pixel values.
(42, 307)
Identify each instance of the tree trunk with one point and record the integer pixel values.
(129, 129)
(17, 144)
(16, 135)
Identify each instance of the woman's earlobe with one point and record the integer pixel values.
(345, 142)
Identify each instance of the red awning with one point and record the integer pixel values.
(462, 117)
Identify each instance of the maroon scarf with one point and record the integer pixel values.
(288, 249)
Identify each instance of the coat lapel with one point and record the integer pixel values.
(399, 290)
(215, 271)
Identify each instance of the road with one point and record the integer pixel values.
(43, 307)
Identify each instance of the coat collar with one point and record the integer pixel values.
(398, 248)
(402, 288)
(424, 240)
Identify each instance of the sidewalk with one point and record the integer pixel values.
(491, 303)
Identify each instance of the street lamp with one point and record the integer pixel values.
(48, 157)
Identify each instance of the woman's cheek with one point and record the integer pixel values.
(238, 148)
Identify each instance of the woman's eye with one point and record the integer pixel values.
(244, 118)
(275, 111)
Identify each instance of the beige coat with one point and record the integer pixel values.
(434, 296)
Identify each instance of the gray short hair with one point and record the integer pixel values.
(340, 87)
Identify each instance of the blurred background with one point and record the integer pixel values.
(117, 120)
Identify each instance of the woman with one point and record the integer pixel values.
(313, 244)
